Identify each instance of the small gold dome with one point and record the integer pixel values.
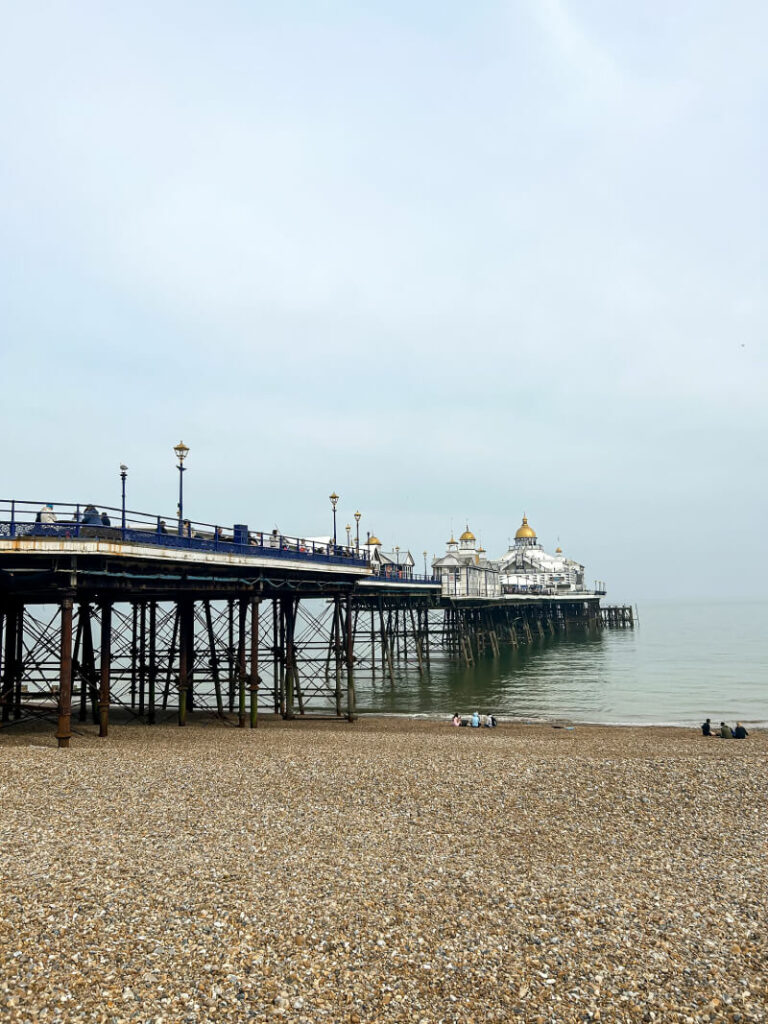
(525, 531)
(558, 551)
(451, 541)
(467, 535)
(374, 540)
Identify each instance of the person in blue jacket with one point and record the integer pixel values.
(476, 720)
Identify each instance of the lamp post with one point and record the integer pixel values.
(334, 500)
(348, 528)
(181, 453)
(123, 474)
(425, 564)
(397, 556)
(357, 532)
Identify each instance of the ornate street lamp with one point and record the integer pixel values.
(123, 474)
(334, 500)
(357, 532)
(181, 453)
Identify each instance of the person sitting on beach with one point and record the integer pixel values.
(706, 728)
(490, 721)
(725, 732)
(456, 720)
(740, 733)
(475, 723)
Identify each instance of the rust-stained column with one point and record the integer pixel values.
(351, 703)
(241, 663)
(152, 661)
(142, 655)
(276, 684)
(231, 660)
(64, 733)
(254, 662)
(134, 651)
(185, 612)
(105, 667)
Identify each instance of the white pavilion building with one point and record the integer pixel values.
(464, 571)
(527, 568)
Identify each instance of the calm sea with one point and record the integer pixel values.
(683, 663)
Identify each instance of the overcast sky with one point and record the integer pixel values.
(455, 261)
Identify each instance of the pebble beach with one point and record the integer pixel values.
(388, 870)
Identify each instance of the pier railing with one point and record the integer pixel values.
(67, 520)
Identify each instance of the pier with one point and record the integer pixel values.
(151, 619)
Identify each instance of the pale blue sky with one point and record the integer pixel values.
(453, 261)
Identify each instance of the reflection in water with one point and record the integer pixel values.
(686, 661)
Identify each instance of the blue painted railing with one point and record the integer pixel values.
(66, 520)
(85, 522)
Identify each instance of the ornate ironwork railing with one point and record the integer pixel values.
(66, 520)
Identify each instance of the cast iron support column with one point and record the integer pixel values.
(11, 623)
(351, 715)
(64, 732)
(241, 663)
(152, 660)
(186, 611)
(254, 662)
(105, 666)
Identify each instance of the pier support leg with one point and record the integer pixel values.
(337, 650)
(9, 660)
(214, 658)
(289, 620)
(241, 664)
(142, 656)
(64, 732)
(254, 663)
(134, 652)
(152, 661)
(105, 667)
(186, 612)
(350, 638)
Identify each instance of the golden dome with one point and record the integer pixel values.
(558, 551)
(467, 535)
(374, 540)
(525, 530)
(451, 541)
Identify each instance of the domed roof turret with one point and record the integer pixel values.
(467, 535)
(525, 531)
(374, 540)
